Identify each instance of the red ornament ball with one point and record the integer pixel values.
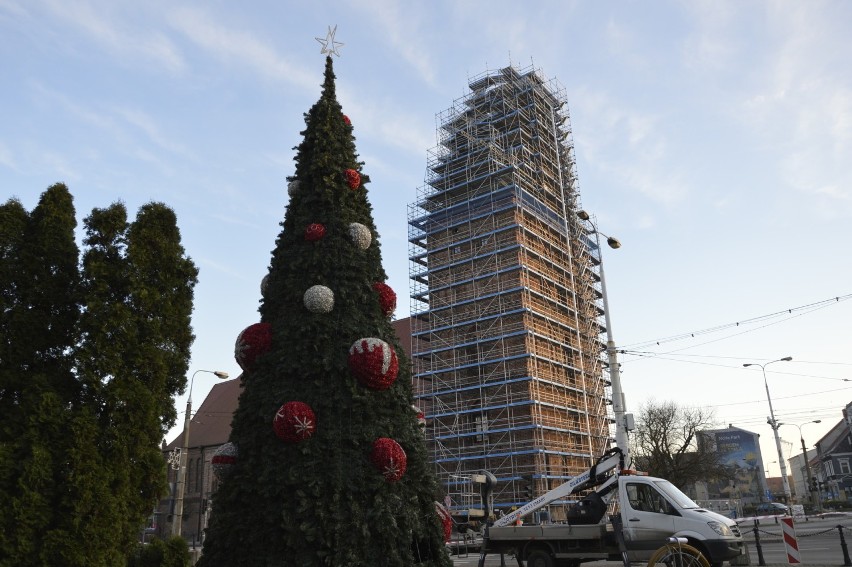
(373, 362)
(389, 458)
(353, 178)
(294, 422)
(346, 120)
(315, 231)
(387, 298)
(254, 341)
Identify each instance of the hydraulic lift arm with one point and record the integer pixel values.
(598, 476)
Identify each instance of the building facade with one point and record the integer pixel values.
(210, 428)
(507, 312)
(833, 472)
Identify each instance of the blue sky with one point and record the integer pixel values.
(713, 138)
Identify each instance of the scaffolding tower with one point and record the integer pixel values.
(506, 309)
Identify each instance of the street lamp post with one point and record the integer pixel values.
(618, 403)
(177, 519)
(810, 486)
(774, 424)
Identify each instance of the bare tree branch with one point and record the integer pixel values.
(666, 444)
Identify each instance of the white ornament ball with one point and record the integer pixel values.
(263, 284)
(293, 186)
(360, 235)
(319, 299)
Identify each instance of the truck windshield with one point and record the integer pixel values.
(680, 499)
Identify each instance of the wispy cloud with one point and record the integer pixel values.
(240, 47)
(712, 45)
(622, 141)
(804, 112)
(152, 130)
(13, 8)
(123, 125)
(120, 38)
(399, 26)
(61, 165)
(383, 121)
(88, 115)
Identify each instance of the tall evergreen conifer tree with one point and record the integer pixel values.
(135, 337)
(88, 369)
(40, 312)
(331, 467)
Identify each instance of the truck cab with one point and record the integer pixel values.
(653, 510)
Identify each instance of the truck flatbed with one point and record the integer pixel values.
(547, 531)
(563, 541)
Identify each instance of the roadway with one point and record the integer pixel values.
(818, 538)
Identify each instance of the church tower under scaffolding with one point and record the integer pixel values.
(506, 311)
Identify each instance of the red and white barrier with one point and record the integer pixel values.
(790, 542)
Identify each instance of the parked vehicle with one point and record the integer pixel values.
(647, 513)
(772, 509)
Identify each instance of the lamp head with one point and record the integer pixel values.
(220, 374)
(787, 358)
(613, 242)
(583, 215)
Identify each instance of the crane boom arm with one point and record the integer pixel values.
(612, 460)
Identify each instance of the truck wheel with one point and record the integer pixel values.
(539, 558)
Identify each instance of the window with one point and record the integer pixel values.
(188, 487)
(844, 466)
(645, 498)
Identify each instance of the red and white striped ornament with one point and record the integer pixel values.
(446, 521)
(421, 417)
(389, 457)
(223, 460)
(254, 341)
(294, 422)
(373, 362)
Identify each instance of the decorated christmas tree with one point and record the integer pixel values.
(326, 463)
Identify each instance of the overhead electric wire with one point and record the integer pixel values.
(662, 356)
(786, 313)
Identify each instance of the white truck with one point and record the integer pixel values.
(644, 515)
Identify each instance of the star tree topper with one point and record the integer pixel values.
(328, 44)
